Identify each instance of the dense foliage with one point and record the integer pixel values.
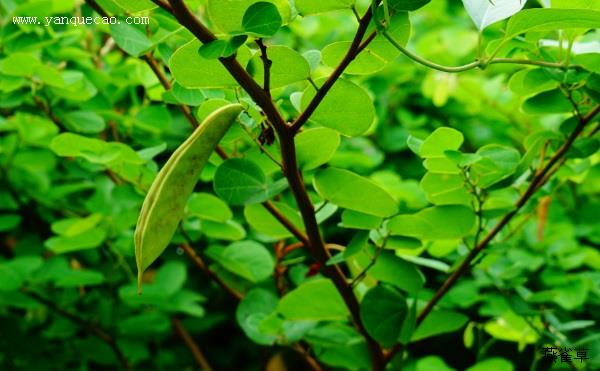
(410, 185)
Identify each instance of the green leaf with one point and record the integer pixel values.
(247, 259)
(511, 327)
(545, 20)
(264, 222)
(358, 220)
(553, 101)
(73, 226)
(358, 242)
(351, 191)
(190, 97)
(88, 240)
(355, 101)
(326, 140)
(433, 363)
(227, 15)
(191, 70)
(221, 48)
(439, 322)
(19, 64)
(262, 19)
(165, 202)
(495, 363)
(209, 207)
(486, 12)
(377, 54)
(134, 6)
(398, 272)
(382, 311)
(94, 150)
(9, 221)
(241, 182)
(256, 305)
(85, 122)
(171, 277)
(80, 278)
(497, 163)
(130, 38)
(441, 140)
(307, 7)
(317, 300)
(435, 223)
(445, 189)
(287, 66)
(406, 5)
(15, 272)
(229, 231)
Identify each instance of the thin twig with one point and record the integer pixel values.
(194, 348)
(199, 262)
(260, 145)
(364, 272)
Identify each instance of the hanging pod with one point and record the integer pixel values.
(164, 205)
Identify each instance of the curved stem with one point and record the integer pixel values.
(474, 64)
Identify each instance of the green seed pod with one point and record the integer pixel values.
(165, 202)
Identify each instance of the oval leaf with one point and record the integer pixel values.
(354, 192)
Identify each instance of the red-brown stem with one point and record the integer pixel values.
(316, 245)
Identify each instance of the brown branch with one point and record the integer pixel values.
(355, 48)
(89, 327)
(199, 262)
(183, 333)
(266, 66)
(189, 21)
(316, 246)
